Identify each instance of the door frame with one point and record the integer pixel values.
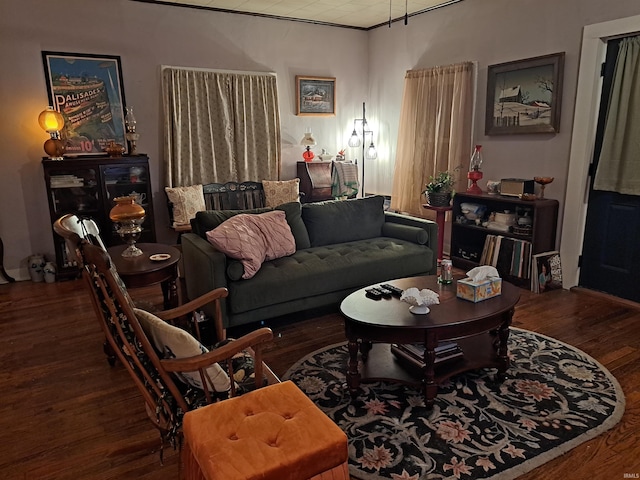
(594, 46)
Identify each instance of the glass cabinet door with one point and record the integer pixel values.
(74, 192)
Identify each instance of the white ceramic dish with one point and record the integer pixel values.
(159, 257)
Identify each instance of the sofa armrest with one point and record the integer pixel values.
(405, 232)
(429, 226)
(204, 267)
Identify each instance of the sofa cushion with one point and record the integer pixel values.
(277, 192)
(338, 221)
(186, 202)
(173, 342)
(293, 211)
(327, 269)
(252, 239)
(210, 219)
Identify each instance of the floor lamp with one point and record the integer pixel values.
(355, 141)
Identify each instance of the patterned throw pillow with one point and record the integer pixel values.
(277, 192)
(187, 201)
(173, 342)
(252, 239)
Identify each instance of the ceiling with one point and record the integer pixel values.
(359, 14)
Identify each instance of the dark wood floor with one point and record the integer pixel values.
(65, 414)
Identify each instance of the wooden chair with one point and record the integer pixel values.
(166, 397)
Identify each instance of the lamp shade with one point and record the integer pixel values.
(50, 120)
(372, 153)
(354, 140)
(308, 140)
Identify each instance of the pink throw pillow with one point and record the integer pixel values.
(252, 239)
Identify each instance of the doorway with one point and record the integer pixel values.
(592, 54)
(610, 256)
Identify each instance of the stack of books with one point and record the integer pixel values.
(414, 352)
(65, 181)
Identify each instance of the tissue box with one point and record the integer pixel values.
(478, 291)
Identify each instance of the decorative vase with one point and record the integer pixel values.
(36, 267)
(439, 199)
(49, 272)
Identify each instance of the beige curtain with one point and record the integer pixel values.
(434, 134)
(619, 164)
(220, 127)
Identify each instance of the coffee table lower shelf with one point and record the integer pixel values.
(478, 352)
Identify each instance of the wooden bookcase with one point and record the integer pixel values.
(468, 239)
(87, 186)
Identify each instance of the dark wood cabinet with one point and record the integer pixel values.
(87, 186)
(315, 181)
(468, 237)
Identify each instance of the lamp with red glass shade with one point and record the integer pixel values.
(474, 173)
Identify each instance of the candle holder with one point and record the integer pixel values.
(543, 182)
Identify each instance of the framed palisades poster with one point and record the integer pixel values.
(87, 90)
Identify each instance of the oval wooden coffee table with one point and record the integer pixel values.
(480, 329)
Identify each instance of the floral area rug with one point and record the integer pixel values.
(554, 398)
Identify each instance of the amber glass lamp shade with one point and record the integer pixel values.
(128, 216)
(52, 122)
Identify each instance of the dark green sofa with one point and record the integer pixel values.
(341, 246)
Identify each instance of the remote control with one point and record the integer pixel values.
(394, 290)
(386, 293)
(373, 293)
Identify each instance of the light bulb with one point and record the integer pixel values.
(354, 140)
(371, 152)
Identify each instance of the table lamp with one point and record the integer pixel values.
(128, 215)
(308, 141)
(52, 122)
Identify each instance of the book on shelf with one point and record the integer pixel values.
(510, 256)
(546, 271)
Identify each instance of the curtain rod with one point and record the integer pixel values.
(216, 70)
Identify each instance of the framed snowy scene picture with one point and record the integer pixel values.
(524, 96)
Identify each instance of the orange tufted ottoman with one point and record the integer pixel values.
(273, 433)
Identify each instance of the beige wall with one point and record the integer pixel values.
(368, 66)
(147, 36)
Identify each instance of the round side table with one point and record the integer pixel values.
(142, 271)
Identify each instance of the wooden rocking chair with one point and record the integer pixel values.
(170, 386)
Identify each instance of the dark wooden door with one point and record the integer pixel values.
(610, 256)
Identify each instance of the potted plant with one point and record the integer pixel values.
(440, 189)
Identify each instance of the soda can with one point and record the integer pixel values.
(446, 272)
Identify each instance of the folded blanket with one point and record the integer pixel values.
(344, 179)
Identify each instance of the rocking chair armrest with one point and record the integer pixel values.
(251, 340)
(193, 305)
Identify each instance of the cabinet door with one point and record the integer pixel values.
(71, 190)
(127, 180)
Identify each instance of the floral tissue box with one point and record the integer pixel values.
(475, 292)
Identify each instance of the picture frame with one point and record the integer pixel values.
(88, 91)
(525, 96)
(315, 96)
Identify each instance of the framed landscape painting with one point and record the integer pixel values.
(87, 90)
(315, 96)
(524, 96)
